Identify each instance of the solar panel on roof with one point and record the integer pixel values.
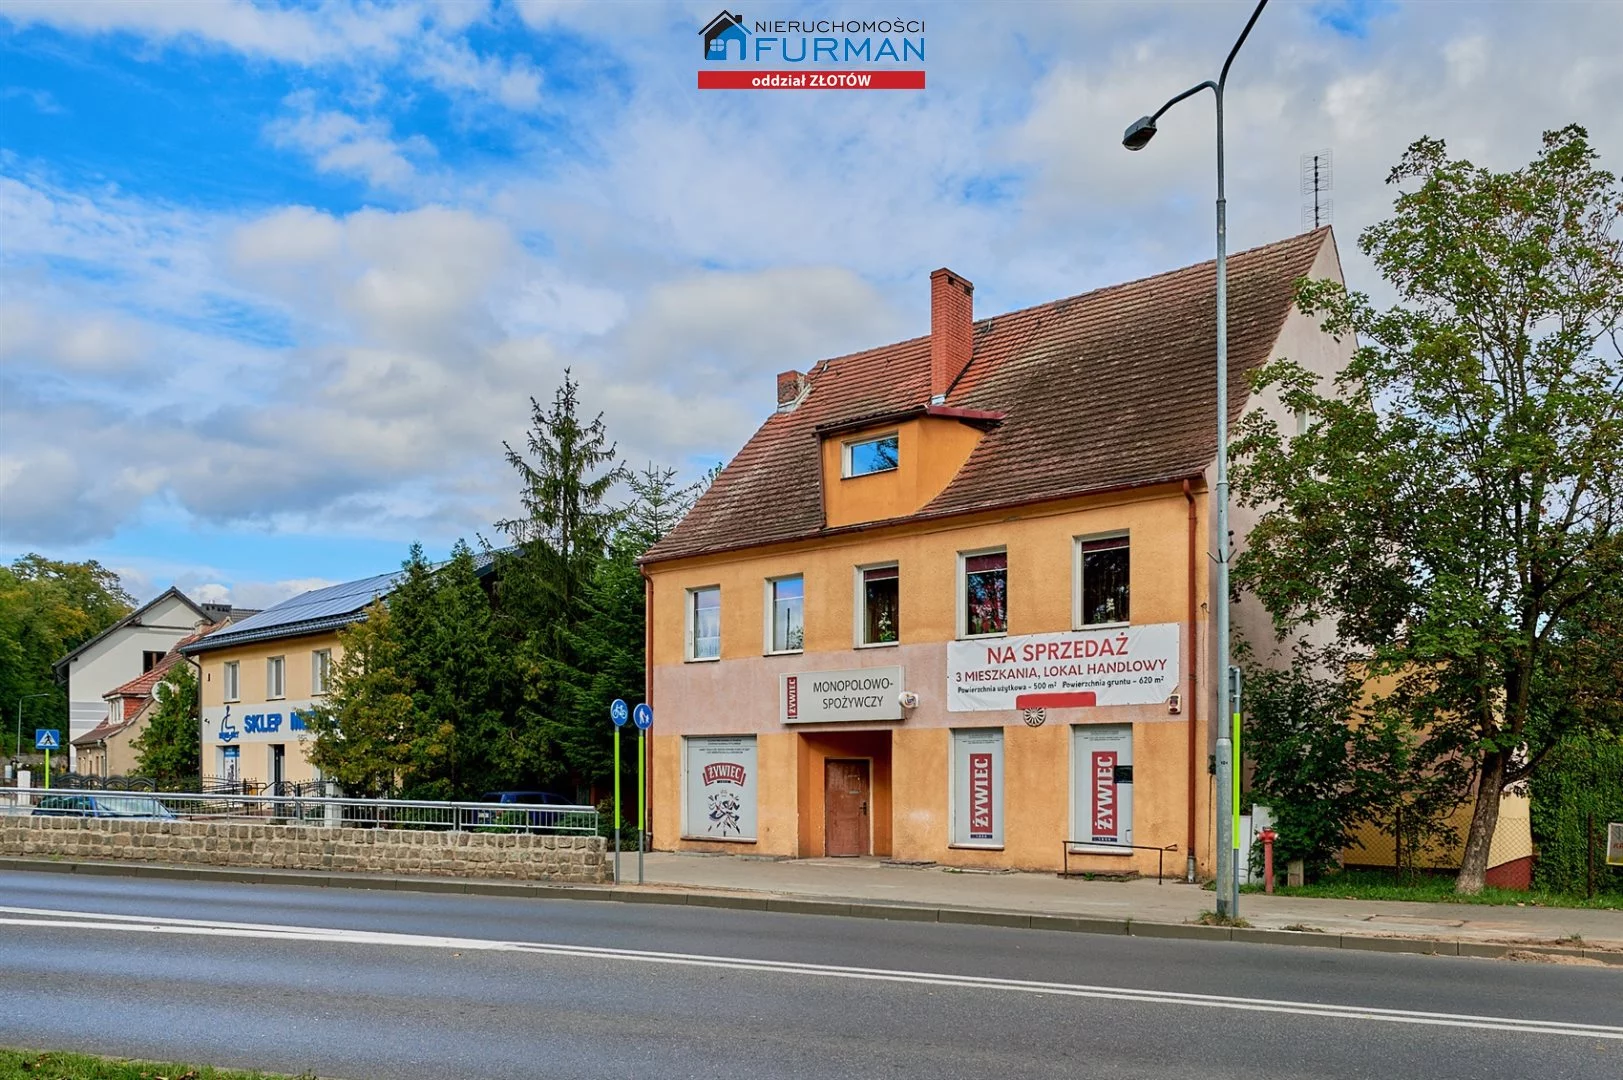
(333, 600)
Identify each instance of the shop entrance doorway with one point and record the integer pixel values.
(847, 799)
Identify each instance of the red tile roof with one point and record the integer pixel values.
(1096, 392)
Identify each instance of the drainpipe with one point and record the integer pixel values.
(1193, 696)
(648, 688)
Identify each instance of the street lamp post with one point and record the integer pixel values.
(17, 751)
(1137, 136)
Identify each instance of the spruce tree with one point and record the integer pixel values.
(566, 474)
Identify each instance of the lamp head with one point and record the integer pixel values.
(1139, 133)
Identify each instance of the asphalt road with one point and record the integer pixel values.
(366, 985)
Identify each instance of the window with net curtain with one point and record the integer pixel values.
(788, 597)
(1105, 595)
(705, 617)
(986, 594)
(881, 606)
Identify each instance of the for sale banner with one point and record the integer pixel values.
(1102, 768)
(977, 757)
(720, 783)
(1130, 665)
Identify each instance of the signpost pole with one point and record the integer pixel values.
(617, 804)
(619, 713)
(643, 715)
(642, 797)
(47, 768)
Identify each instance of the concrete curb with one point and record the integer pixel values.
(842, 908)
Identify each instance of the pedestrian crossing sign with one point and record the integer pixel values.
(47, 739)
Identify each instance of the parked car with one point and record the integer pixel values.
(86, 804)
(520, 818)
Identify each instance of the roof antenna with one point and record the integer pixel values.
(1318, 175)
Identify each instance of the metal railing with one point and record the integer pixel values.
(1068, 848)
(292, 808)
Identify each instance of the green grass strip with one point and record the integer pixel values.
(60, 1065)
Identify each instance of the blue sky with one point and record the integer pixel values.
(279, 279)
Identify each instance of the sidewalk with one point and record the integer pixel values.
(873, 881)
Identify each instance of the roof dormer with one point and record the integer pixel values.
(880, 467)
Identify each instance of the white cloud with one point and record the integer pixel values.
(340, 143)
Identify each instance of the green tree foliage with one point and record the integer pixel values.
(1455, 509)
(169, 750)
(48, 609)
(566, 475)
(417, 703)
(364, 733)
(1577, 792)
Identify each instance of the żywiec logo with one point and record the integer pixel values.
(824, 46)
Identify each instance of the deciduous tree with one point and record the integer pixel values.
(1454, 507)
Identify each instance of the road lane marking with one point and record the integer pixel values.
(61, 920)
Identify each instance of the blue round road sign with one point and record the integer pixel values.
(619, 712)
(644, 716)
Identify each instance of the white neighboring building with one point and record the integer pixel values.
(124, 651)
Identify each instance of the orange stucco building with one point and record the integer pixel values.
(951, 603)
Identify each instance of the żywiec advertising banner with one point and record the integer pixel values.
(978, 788)
(721, 788)
(1102, 764)
(1130, 665)
(828, 697)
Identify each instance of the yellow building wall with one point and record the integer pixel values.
(736, 694)
(251, 658)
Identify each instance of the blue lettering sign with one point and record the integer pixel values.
(295, 721)
(262, 723)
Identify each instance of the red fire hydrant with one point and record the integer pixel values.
(1268, 836)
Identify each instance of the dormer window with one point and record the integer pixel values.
(874, 455)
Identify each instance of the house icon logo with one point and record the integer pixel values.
(719, 35)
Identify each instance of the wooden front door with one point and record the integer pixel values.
(845, 807)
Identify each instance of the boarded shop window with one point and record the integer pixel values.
(719, 787)
(785, 604)
(977, 788)
(871, 455)
(704, 623)
(1102, 785)
(229, 681)
(880, 613)
(986, 594)
(275, 681)
(1102, 566)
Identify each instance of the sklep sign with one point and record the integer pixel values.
(883, 46)
(1133, 665)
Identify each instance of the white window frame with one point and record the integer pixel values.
(1076, 578)
(689, 641)
(231, 681)
(845, 454)
(961, 587)
(278, 664)
(767, 624)
(320, 681)
(859, 605)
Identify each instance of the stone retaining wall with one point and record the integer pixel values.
(436, 852)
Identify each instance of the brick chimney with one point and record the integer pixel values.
(952, 324)
(791, 388)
